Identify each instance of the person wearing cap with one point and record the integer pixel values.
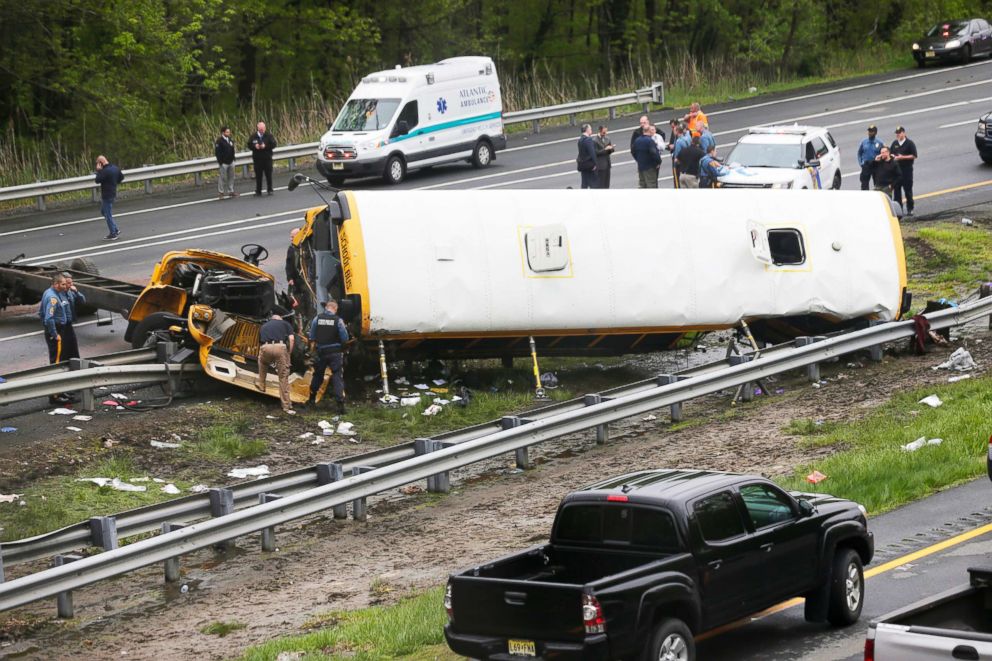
(904, 152)
(867, 151)
(885, 171)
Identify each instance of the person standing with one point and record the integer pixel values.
(648, 159)
(275, 340)
(586, 160)
(604, 153)
(886, 172)
(711, 169)
(261, 144)
(673, 149)
(108, 176)
(292, 264)
(706, 139)
(867, 151)
(689, 164)
(74, 295)
(642, 128)
(55, 310)
(327, 336)
(904, 151)
(695, 118)
(224, 151)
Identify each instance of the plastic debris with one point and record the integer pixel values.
(141, 479)
(116, 483)
(109, 402)
(305, 435)
(8, 430)
(165, 446)
(421, 386)
(271, 417)
(442, 402)
(171, 489)
(410, 401)
(327, 429)
(436, 391)
(10, 497)
(61, 411)
(960, 361)
(411, 489)
(316, 441)
(199, 488)
(815, 477)
(962, 377)
(433, 409)
(401, 381)
(439, 382)
(117, 395)
(82, 418)
(967, 221)
(649, 418)
(3, 380)
(74, 428)
(389, 400)
(920, 442)
(184, 589)
(346, 428)
(134, 402)
(931, 400)
(242, 473)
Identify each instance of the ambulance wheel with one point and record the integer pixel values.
(836, 184)
(482, 155)
(86, 265)
(395, 170)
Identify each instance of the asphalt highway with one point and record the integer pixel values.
(939, 108)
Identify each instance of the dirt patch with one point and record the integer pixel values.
(413, 540)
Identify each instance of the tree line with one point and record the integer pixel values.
(92, 75)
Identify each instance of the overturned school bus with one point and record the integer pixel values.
(469, 274)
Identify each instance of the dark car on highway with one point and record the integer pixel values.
(958, 40)
(983, 138)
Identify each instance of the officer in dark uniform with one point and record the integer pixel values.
(327, 337)
(904, 152)
(56, 315)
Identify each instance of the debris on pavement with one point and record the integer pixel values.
(109, 402)
(199, 488)
(413, 400)
(954, 379)
(70, 428)
(326, 427)
(411, 489)
(305, 435)
(439, 382)
(967, 221)
(82, 418)
(8, 430)
(116, 483)
(346, 428)
(242, 473)
(422, 386)
(165, 446)
(171, 489)
(931, 400)
(61, 411)
(649, 418)
(960, 361)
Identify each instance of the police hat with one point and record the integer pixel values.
(872, 128)
(900, 129)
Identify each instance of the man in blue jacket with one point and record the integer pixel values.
(586, 161)
(645, 152)
(869, 148)
(56, 315)
(108, 176)
(710, 169)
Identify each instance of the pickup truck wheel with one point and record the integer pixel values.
(847, 588)
(672, 641)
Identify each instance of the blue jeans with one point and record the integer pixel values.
(106, 208)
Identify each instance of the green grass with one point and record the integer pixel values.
(56, 502)
(227, 440)
(873, 469)
(947, 259)
(222, 628)
(406, 628)
(809, 427)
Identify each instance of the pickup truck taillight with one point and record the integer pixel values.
(447, 600)
(592, 615)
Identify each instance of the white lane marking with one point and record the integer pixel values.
(967, 121)
(33, 333)
(195, 231)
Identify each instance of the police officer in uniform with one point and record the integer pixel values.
(867, 151)
(904, 152)
(56, 316)
(328, 336)
(275, 340)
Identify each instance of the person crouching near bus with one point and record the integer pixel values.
(328, 336)
(275, 339)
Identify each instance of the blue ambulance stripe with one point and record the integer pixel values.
(448, 125)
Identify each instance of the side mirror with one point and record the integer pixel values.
(297, 179)
(815, 163)
(401, 128)
(806, 508)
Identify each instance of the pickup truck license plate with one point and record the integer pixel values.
(521, 647)
(337, 166)
(929, 53)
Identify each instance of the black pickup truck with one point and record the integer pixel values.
(641, 563)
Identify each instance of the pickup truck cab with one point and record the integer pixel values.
(642, 563)
(799, 157)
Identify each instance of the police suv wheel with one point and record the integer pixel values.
(837, 181)
(482, 155)
(395, 170)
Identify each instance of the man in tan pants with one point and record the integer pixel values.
(275, 345)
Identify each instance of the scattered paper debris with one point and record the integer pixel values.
(171, 489)
(316, 441)
(117, 395)
(242, 473)
(401, 381)
(10, 497)
(967, 221)
(8, 430)
(158, 479)
(410, 401)
(74, 428)
(815, 477)
(141, 479)
(305, 435)
(165, 446)
(271, 417)
(346, 428)
(421, 386)
(61, 411)
(389, 400)
(954, 379)
(649, 418)
(442, 402)
(82, 418)
(439, 382)
(433, 409)
(199, 488)
(931, 400)
(919, 443)
(960, 361)
(116, 483)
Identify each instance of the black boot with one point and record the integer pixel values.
(341, 409)
(312, 402)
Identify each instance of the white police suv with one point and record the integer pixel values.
(784, 157)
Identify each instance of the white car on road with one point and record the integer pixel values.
(784, 157)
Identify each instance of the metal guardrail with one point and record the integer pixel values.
(20, 389)
(61, 580)
(129, 357)
(655, 93)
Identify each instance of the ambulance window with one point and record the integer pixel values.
(409, 115)
(786, 246)
(547, 248)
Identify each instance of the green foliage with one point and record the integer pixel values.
(222, 628)
(947, 259)
(227, 441)
(877, 473)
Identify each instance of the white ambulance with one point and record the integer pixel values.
(404, 119)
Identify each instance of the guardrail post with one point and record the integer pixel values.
(87, 402)
(613, 113)
(40, 203)
(148, 182)
(244, 171)
(536, 126)
(359, 506)
(103, 532)
(63, 601)
(1, 564)
(332, 472)
(875, 350)
(95, 194)
(813, 369)
(676, 408)
(603, 430)
(268, 534)
(292, 163)
(441, 482)
(745, 391)
(521, 454)
(221, 504)
(571, 119)
(172, 564)
(197, 178)
(984, 292)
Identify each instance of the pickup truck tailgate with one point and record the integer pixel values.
(511, 608)
(898, 642)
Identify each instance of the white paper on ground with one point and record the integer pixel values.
(61, 411)
(257, 471)
(82, 418)
(954, 379)
(116, 483)
(170, 489)
(346, 428)
(165, 446)
(199, 488)
(9, 497)
(433, 409)
(410, 401)
(74, 429)
(421, 386)
(960, 360)
(931, 400)
(305, 435)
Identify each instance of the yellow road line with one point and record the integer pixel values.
(874, 571)
(978, 184)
